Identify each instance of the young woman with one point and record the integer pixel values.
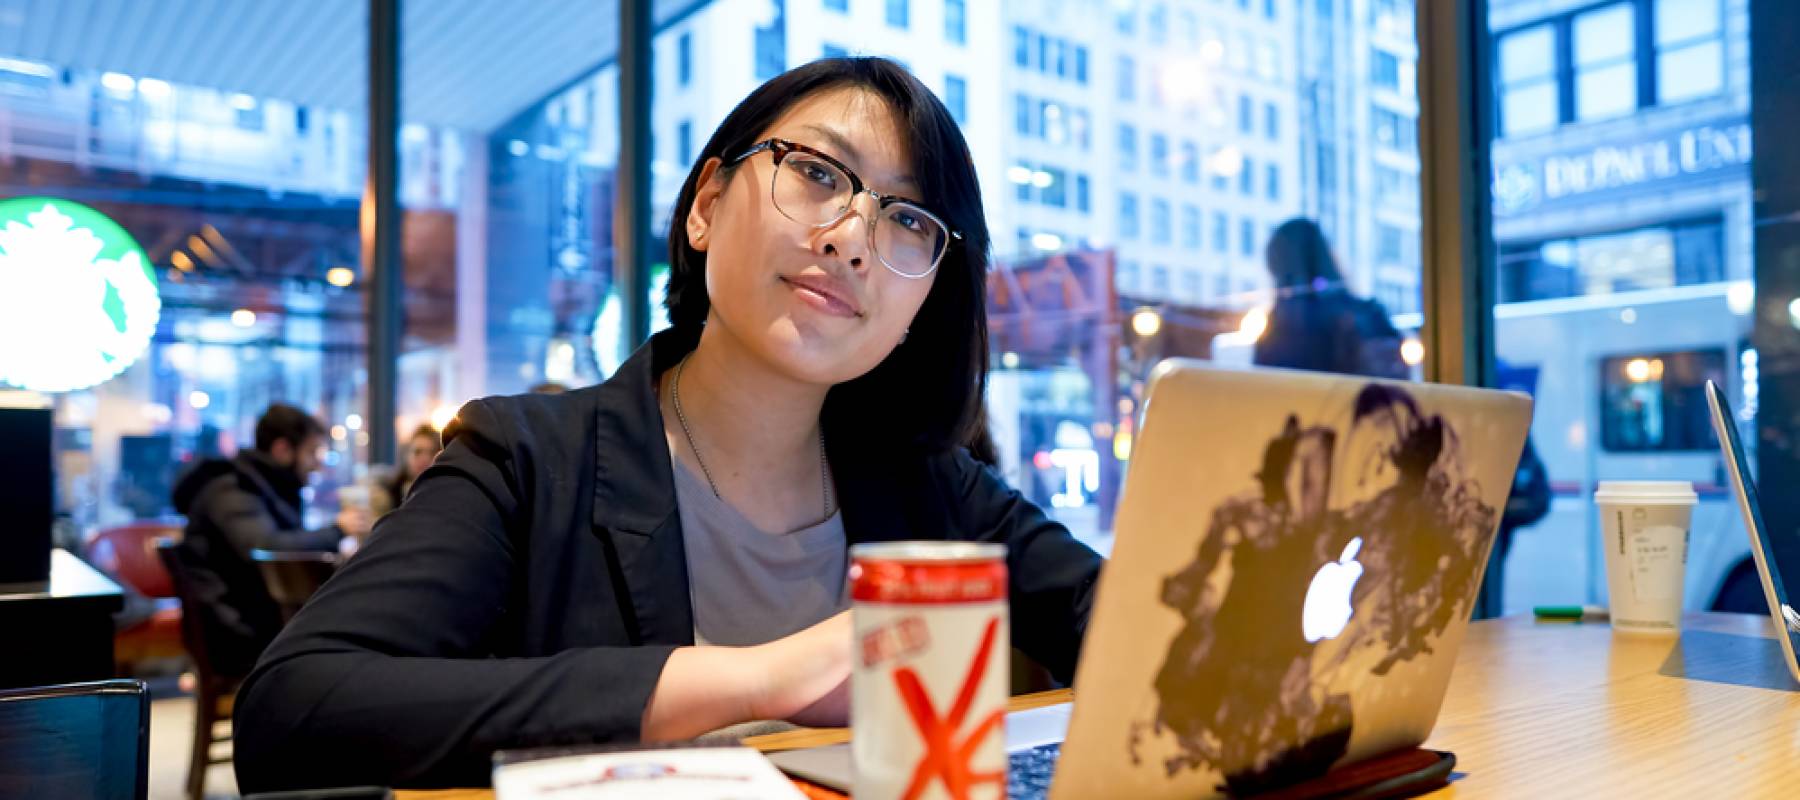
(390, 488)
(665, 554)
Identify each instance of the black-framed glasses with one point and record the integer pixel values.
(816, 190)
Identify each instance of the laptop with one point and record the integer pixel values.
(1295, 561)
(1778, 567)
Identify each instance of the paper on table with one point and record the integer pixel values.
(711, 773)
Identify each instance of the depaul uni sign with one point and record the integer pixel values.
(78, 299)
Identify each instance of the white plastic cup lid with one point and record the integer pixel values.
(1650, 492)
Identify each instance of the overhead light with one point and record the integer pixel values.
(1227, 162)
(1018, 174)
(1638, 370)
(1628, 316)
(1009, 360)
(339, 433)
(199, 399)
(353, 422)
(181, 261)
(1042, 179)
(1412, 351)
(1047, 241)
(518, 148)
(118, 82)
(243, 102)
(1741, 297)
(243, 318)
(442, 416)
(340, 276)
(153, 88)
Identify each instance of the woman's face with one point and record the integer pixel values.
(420, 452)
(815, 303)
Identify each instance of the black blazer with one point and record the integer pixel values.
(534, 582)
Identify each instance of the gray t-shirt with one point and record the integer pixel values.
(750, 586)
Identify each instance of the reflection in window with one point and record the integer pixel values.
(1605, 63)
(1657, 257)
(1657, 401)
(1690, 52)
(1527, 87)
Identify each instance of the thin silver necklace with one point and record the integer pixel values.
(681, 416)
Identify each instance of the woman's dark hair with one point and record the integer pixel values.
(928, 392)
(1299, 256)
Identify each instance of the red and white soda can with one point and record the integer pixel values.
(928, 694)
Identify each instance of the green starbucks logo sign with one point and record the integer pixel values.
(78, 299)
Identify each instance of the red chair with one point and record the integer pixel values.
(128, 554)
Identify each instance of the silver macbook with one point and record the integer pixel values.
(1777, 563)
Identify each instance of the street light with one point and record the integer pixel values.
(1146, 322)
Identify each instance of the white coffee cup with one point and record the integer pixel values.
(1644, 528)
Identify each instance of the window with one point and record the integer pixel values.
(842, 6)
(1686, 253)
(1247, 237)
(684, 143)
(1246, 114)
(1083, 129)
(898, 13)
(1269, 10)
(1156, 24)
(1081, 65)
(1062, 58)
(1051, 125)
(1056, 193)
(1190, 229)
(1022, 114)
(1127, 79)
(834, 51)
(1128, 158)
(1272, 182)
(1221, 233)
(1127, 277)
(771, 49)
(1385, 71)
(1125, 21)
(1190, 162)
(1221, 287)
(1605, 62)
(1394, 131)
(1023, 181)
(956, 98)
(1271, 122)
(1128, 216)
(1159, 155)
(1656, 402)
(1690, 50)
(1021, 47)
(1159, 280)
(956, 21)
(1528, 92)
(1247, 178)
(1081, 193)
(1159, 221)
(1190, 285)
(1044, 57)
(684, 59)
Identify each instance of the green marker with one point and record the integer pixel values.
(1574, 613)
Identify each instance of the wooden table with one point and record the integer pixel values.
(1569, 710)
(59, 630)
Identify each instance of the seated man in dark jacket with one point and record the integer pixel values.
(247, 503)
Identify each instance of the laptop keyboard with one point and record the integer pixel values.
(1028, 771)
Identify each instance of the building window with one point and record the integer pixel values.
(1246, 114)
(684, 143)
(1159, 280)
(1062, 58)
(1022, 114)
(1385, 71)
(1190, 162)
(1023, 181)
(1081, 65)
(1128, 215)
(1083, 128)
(1127, 276)
(684, 59)
(1021, 47)
(1127, 79)
(1690, 53)
(898, 13)
(1396, 132)
(1127, 148)
(834, 51)
(1221, 233)
(1156, 24)
(1656, 402)
(1081, 193)
(1056, 193)
(1247, 178)
(956, 98)
(1024, 242)
(1190, 229)
(771, 48)
(837, 5)
(1388, 243)
(1247, 237)
(1160, 222)
(1190, 285)
(1159, 155)
(1528, 94)
(1043, 54)
(1605, 62)
(956, 22)
(1269, 9)
(1221, 287)
(1271, 122)
(1125, 21)
(1272, 181)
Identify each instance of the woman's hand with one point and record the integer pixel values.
(803, 678)
(806, 676)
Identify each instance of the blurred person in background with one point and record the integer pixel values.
(250, 502)
(1317, 324)
(392, 483)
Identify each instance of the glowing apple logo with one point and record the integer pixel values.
(1327, 608)
(78, 299)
